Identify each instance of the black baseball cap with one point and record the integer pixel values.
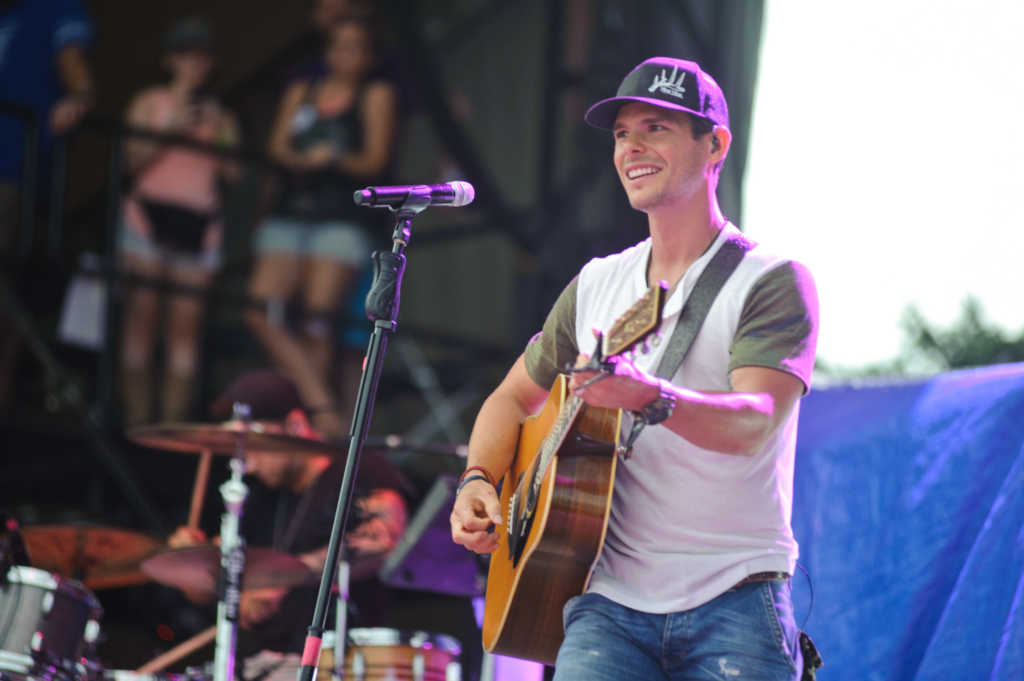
(666, 82)
(269, 394)
(190, 33)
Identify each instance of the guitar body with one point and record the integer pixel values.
(523, 607)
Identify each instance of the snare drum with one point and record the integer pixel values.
(380, 654)
(48, 626)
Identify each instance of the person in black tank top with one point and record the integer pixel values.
(321, 194)
(334, 133)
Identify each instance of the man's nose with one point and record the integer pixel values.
(636, 144)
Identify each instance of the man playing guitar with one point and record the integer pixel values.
(692, 580)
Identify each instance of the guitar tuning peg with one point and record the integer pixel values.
(645, 347)
(656, 340)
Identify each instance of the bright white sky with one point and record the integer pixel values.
(887, 154)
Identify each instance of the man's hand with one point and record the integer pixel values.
(385, 524)
(186, 536)
(627, 387)
(258, 605)
(190, 536)
(318, 156)
(476, 509)
(68, 110)
(76, 80)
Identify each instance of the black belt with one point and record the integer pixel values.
(764, 577)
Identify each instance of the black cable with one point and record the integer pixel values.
(810, 589)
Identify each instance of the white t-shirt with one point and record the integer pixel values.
(687, 523)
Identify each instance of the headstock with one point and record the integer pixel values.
(638, 322)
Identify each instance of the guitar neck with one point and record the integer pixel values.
(552, 442)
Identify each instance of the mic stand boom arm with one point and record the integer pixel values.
(382, 308)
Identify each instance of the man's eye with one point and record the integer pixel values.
(620, 134)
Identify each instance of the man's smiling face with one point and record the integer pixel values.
(658, 161)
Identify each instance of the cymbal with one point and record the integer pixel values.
(223, 438)
(196, 568)
(101, 557)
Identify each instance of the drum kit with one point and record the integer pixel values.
(50, 617)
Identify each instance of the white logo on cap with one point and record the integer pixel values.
(669, 85)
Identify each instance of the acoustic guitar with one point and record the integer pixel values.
(555, 501)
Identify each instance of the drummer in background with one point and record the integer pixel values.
(307, 489)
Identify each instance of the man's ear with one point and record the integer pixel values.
(720, 141)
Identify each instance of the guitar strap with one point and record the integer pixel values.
(723, 263)
(695, 309)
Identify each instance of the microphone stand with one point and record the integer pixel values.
(382, 308)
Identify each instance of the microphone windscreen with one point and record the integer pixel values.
(464, 193)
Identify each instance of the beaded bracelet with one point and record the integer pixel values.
(486, 473)
(469, 480)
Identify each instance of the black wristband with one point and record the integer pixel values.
(469, 480)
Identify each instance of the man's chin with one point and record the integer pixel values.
(641, 203)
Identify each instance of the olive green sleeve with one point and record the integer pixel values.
(778, 326)
(554, 347)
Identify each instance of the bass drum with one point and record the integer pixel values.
(381, 654)
(48, 626)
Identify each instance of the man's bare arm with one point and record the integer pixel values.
(737, 422)
(76, 78)
(492, 445)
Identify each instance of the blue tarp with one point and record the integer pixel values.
(909, 509)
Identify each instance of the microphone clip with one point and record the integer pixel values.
(414, 204)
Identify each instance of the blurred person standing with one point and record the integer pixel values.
(171, 221)
(334, 133)
(43, 69)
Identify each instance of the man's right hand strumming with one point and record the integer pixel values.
(492, 446)
(476, 510)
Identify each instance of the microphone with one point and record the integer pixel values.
(452, 194)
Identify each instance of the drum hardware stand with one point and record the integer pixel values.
(232, 561)
(382, 308)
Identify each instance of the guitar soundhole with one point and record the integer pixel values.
(518, 523)
(585, 445)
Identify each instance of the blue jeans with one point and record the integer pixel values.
(748, 632)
